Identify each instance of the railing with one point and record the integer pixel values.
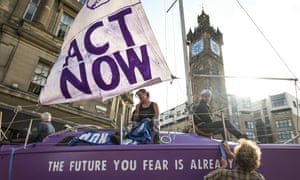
(74, 128)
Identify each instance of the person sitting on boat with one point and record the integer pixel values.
(203, 119)
(44, 128)
(147, 110)
(247, 156)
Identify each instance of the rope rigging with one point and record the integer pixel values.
(282, 60)
(268, 41)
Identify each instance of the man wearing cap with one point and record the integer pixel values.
(44, 128)
(203, 119)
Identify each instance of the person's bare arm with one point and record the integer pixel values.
(156, 110)
(227, 150)
(136, 113)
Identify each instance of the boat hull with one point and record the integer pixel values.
(136, 161)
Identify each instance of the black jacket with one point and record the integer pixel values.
(202, 113)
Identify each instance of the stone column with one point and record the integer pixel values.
(18, 12)
(43, 13)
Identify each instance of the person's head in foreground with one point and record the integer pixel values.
(247, 155)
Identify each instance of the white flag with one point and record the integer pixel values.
(110, 49)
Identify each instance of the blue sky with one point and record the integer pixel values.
(245, 52)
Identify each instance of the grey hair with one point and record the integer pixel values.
(206, 92)
(46, 116)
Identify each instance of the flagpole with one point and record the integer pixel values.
(186, 64)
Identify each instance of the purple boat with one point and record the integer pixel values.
(182, 156)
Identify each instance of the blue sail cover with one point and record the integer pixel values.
(139, 135)
(92, 137)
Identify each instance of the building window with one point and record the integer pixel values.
(283, 124)
(81, 1)
(31, 9)
(64, 25)
(249, 124)
(246, 103)
(39, 78)
(279, 102)
(282, 136)
(267, 120)
(250, 135)
(166, 117)
(257, 114)
(265, 111)
(236, 124)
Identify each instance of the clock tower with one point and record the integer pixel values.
(206, 63)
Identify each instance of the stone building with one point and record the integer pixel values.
(31, 35)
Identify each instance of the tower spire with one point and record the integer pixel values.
(203, 19)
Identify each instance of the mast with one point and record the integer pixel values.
(186, 63)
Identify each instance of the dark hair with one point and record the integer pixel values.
(143, 91)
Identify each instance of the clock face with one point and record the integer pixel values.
(215, 47)
(198, 47)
